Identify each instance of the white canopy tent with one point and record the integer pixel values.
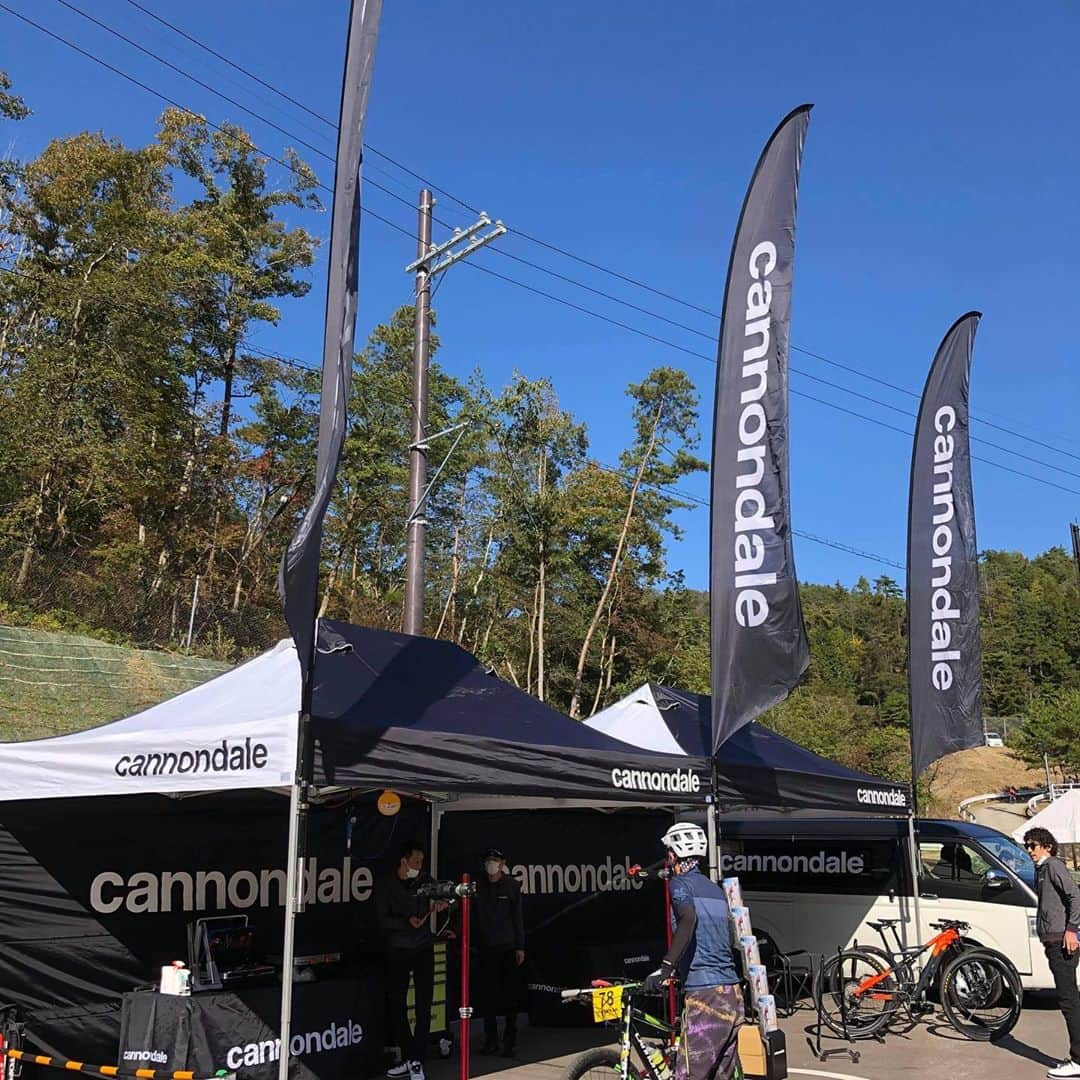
(1061, 817)
(234, 732)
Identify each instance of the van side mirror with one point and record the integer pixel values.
(996, 879)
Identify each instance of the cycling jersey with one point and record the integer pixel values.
(706, 958)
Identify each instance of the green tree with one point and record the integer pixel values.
(93, 391)
(1052, 727)
(534, 444)
(12, 107)
(235, 258)
(665, 421)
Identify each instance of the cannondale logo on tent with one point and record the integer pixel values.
(677, 781)
(334, 1037)
(943, 609)
(876, 797)
(228, 757)
(751, 604)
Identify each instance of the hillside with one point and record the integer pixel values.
(975, 772)
(52, 683)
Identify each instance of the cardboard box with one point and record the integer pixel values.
(762, 1058)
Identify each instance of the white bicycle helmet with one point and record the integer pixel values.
(686, 839)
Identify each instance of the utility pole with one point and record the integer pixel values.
(430, 260)
(416, 527)
(1075, 530)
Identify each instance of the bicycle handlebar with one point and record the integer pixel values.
(575, 994)
(950, 924)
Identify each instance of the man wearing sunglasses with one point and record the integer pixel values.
(1057, 923)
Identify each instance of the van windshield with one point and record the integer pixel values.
(1012, 855)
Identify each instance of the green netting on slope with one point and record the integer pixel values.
(52, 683)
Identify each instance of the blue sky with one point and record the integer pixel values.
(940, 175)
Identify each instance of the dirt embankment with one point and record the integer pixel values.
(975, 772)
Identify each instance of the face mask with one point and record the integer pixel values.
(412, 872)
(492, 867)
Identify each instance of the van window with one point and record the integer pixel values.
(1012, 855)
(954, 863)
(863, 866)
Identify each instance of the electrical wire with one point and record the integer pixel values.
(698, 500)
(526, 236)
(561, 251)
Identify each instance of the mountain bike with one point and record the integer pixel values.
(648, 1046)
(860, 991)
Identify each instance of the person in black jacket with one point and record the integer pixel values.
(499, 933)
(405, 920)
(1057, 923)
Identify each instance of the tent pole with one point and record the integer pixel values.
(914, 856)
(293, 884)
(714, 853)
(436, 822)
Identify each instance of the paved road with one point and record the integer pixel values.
(1001, 816)
(928, 1050)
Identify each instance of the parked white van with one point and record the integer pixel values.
(814, 883)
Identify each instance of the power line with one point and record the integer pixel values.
(526, 236)
(911, 393)
(232, 63)
(540, 292)
(190, 112)
(798, 393)
(294, 101)
(912, 416)
(698, 500)
(225, 97)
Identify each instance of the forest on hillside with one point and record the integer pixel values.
(145, 442)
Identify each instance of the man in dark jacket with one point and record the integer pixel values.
(499, 933)
(1057, 922)
(404, 919)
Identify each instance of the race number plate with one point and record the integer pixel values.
(607, 1003)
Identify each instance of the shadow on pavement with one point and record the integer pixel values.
(1023, 1050)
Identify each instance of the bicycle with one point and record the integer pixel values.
(861, 990)
(620, 1002)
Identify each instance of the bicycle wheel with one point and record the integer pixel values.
(981, 994)
(600, 1064)
(841, 1007)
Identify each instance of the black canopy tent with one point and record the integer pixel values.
(756, 767)
(423, 715)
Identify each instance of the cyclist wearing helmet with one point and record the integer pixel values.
(701, 956)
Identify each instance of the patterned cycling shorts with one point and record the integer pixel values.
(709, 1048)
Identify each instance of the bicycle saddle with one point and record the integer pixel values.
(883, 924)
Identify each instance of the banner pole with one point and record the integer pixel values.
(292, 889)
(667, 937)
(714, 854)
(914, 856)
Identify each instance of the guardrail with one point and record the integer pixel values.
(966, 814)
(996, 796)
(1055, 791)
